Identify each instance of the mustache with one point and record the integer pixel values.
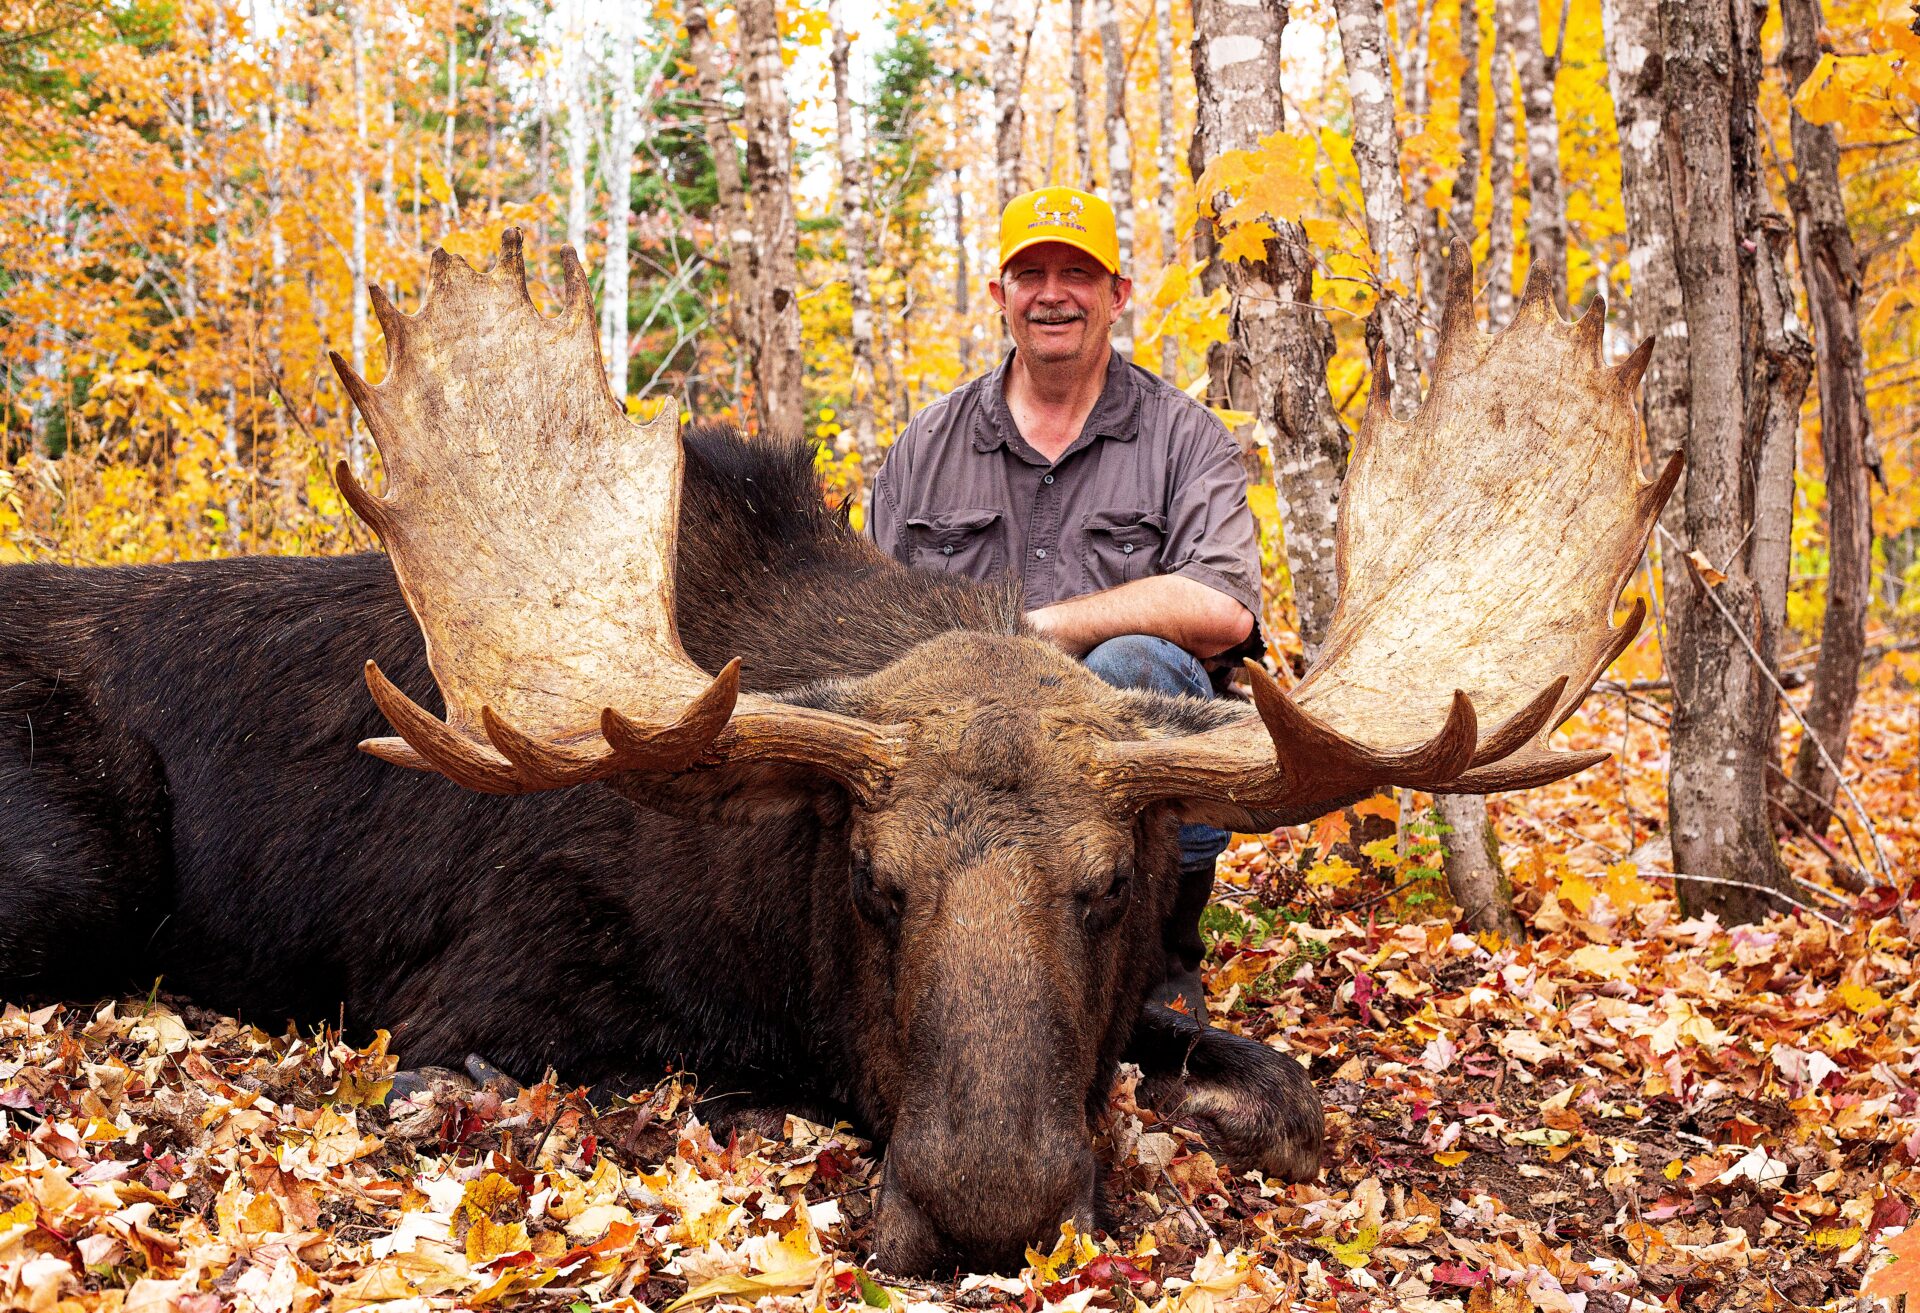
(1054, 316)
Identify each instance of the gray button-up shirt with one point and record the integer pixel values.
(1153, 485)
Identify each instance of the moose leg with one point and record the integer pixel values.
(1148, 662)
(1254, 1105)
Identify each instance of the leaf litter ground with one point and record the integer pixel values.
(1632, 1111)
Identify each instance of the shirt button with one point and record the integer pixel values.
(1128, 549)
(1046, 478)
(1040, 552)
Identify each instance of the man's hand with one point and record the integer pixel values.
(1203, 620)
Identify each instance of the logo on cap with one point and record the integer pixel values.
(1054, 214)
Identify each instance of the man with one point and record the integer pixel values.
(1117, 500)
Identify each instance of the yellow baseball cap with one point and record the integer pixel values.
(1060, 214)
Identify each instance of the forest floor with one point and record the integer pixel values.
(1633, 1110)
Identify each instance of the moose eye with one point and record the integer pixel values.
(1103, 910)
(879, 906)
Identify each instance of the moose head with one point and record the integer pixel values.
(1005, 821)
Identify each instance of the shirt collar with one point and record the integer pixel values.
(1115, 415)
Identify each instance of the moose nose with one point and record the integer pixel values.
(929, 1220)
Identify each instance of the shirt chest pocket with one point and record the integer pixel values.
(958, 542)
(1123, 546)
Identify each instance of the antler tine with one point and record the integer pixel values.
(1588, 330)
(1628, 373)
(543, 765)
(1525, 770)
(1518, 729)
(578, 296)
(1304, 746)
(1537, 292)
(1654, 496)
(1379, 393)
(370, 507)
(457, 757)
(393, 324)
(677, 746)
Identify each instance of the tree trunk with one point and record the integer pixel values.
(1077, 88)
(579, 135)
(1466, 182)
(1168, 178)
(1472, 851)
(1005, 68)
(962, 308)
(1500, 152)
(731, 234)
(774, 314)
(1390, 228)
(1283, 341)
(619, 173)
(853, 221)
(1113, 58)
(451, 209)
(1415, 22)
(1779, 358)
(357, 274)
(1546, 207)
(1831, 270)
(1635, 72)
(1723, 705)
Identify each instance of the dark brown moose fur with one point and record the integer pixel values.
(959, 969)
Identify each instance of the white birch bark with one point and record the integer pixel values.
(1168, 176)
(1113, 58)
(1282, 342)
(1546, 204)
(1005, 67)
(1077, 91)
(621, 39)
(853, 220)
(1390, 227)
(579, 133)
(1500, 184)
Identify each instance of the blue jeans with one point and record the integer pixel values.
(1144, 661)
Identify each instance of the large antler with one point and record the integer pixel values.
(532, 528)
(1481, 549)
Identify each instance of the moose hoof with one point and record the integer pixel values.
(1254, 1106)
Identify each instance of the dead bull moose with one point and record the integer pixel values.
(869, 846)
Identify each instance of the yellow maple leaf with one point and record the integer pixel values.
(1247, 241)
(1861, 999)
(1625, 889)
(488, 1240)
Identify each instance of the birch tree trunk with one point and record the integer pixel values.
(1500, 153)
(1168, 178)
(773, 316)
(1723, 706)
(451, 208)
(1831, 270)
(1113, 58)
(853, 220)
(1466, 182)
(1635, 73)
(962, 308)
(1390, 229)
(1475, 877)
(621, 39)
(1415, 21)
(1546, 206)
(579, 134)
(1004, 72)
(1283, 341)
(1077, 88)
(357, 273)
(731, 233)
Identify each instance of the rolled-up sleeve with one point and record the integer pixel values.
(1211, 534)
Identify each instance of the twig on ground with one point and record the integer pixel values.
(1192, 1212)
(1856, 881)
(1574, 834)
(1781, 894)
(1846, 829)
(1866, 820)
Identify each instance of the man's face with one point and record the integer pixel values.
(1060, 303)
